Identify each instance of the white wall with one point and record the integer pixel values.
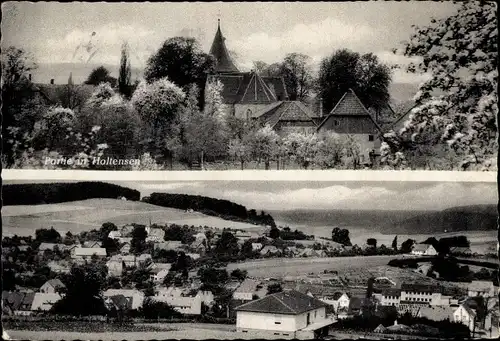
(245, 296)
(240, 110)
(253, 320)
(365, 145)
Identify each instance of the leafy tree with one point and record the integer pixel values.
(265, 145)
(47, 236)
(213, 277)
(125, 73)
(341, 236)
(83, 296)
(297, 74)
(100, 75)
(182, 61)
(152, 309)
(274, 233)
(227, 245)
(457, 107)
(111, 245)
(238, 274)
(407, 246)
(138, 242)
(364, 74)
(372, 242)
(302, 148)
(395, 243)
(330, 151)
(274, 288)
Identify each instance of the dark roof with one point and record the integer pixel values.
(249, 87)
(285, 111)
(18, 300)
(350, 105)
(289, 302)
(56, 283)
(223, 62)
(121, 302)
(391, 292)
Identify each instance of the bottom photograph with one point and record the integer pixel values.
(137, 260)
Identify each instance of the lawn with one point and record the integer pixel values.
(90, 214)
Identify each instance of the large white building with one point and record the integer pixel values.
(287, 314)
(424, 250)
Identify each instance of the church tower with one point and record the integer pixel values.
(224, 64)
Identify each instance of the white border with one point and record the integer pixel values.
(249, 175)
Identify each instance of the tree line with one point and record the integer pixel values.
(210, 206)
(52, 193)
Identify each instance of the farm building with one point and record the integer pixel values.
(289, 314)
(82, 253)
(423, 250)
(52, 286)
(246, 290)
(136, 296)
(44, 301)
(481, 288)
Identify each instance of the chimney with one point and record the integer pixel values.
(52, 81)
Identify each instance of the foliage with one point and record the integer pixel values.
(302, 148)
(274, 233)
(371, 242)
(47, 236)
(50, 193)
(407, 246)
(182, 61)
(364, 74)
(227, 245)
(265, 144)
(238, 274)
(83, 296)
(341, 236)
(125, 72)
(457, 106)
(139, 234)
(394, 244)
(100, 75)
(274, 288)
(152, 309)
(330, 151)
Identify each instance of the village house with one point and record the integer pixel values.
(198, 246)
(244, 93)
(52, 286)
(127, 230)
(17, 303)
(51, 247)
(123, 240)
(59, 267)
(270, 250)
(193, 256)
(158, 275)
(92, 244)
(308, 252)
(350, 117)
(287, 314)
(115, 235)
(465, 315)
(424, 250)
(185, 305)
(129, 260)
(115, 266)
(481, 288)
(287, 117)
(246, 290)
(155, 234)
(257, 246)
(206, 297)
(460, 251)
(44, 301)
(135, 295)
(391, 297)
(83, 253)
(173, 245)
(125, 248)
(143, 258)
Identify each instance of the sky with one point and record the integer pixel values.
(285, 195)
(253, 31)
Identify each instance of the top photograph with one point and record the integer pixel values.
(250, 86)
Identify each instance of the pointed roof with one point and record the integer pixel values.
(285, 111)
(289, 302)
(350, 105)
(257, 91)
(224, 64)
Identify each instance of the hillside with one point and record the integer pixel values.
(466, 218)
(89, 214)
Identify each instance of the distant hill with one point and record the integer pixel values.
(467, 218)
(80, 71)
(464, 218)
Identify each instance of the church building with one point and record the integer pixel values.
(244, 94)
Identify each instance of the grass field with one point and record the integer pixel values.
(90, 214)
(280, 267)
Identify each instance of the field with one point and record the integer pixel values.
(280, 267)
(90, 214)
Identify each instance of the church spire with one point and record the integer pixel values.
(223, 62)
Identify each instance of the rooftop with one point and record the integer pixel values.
(288, 302)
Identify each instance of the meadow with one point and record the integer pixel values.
(84, 215)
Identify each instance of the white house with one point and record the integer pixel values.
(44, 301)
(256, 246)
(343, 302)
(82, 253)
(391, 297)
(115, 267)
(115, 235)
(183, 304)
(287, 314)
(155, 234)
(158, 275)
(465, 315)
(420, 294)
(52, 286)
(424, 250)
(246, 290)
(481, 288)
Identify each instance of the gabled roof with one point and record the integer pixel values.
(42, 301)
(257, 91)
(55, 283)
(223, 62)
(285, 111)
(288, 302)
(89, 251)
(350, 105)
(18, 300)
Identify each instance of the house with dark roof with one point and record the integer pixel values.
(287, 314)
(17, 303)
(52, 286)
(244, 93)
(351, 118)
(287, 117)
